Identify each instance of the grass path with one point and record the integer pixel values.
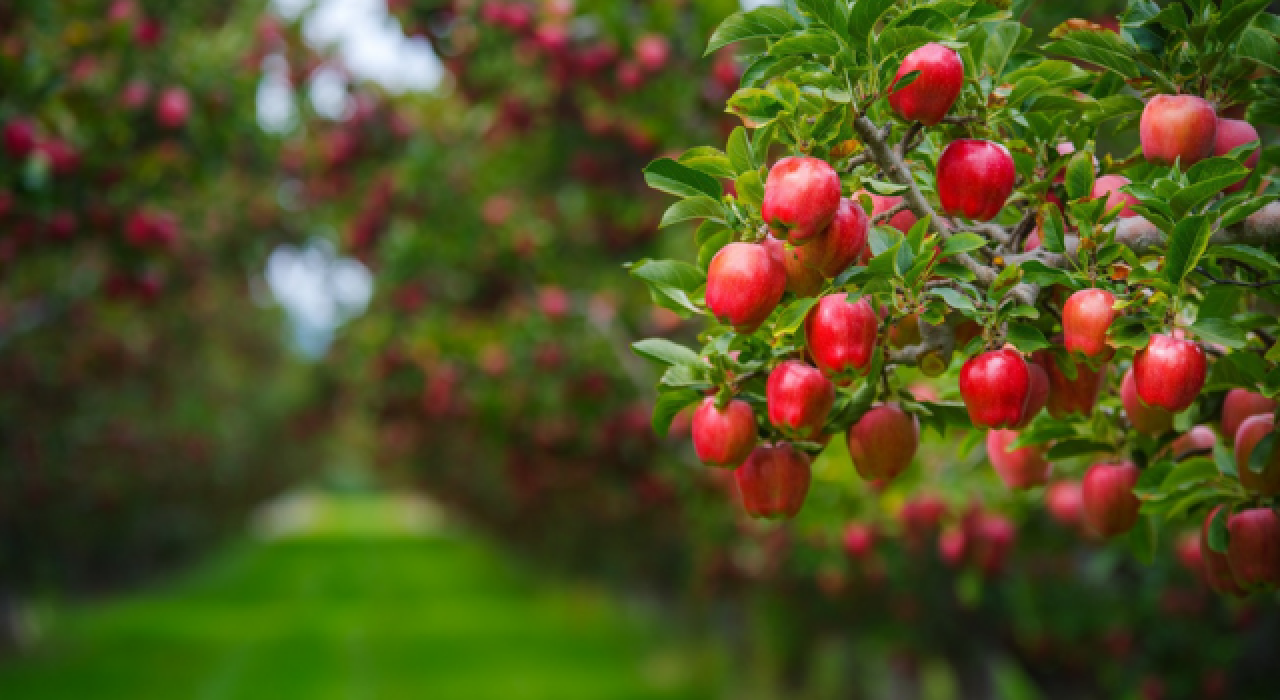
(353, 613)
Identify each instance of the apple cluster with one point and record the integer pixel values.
(918, 211)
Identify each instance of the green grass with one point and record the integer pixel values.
(371, 613)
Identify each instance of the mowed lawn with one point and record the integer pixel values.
(354, 613)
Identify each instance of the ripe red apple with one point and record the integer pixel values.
(1232, 134)
(1071, 396)
(1110, 508)
(920, 516)
(773, 481)
(173, 108)
(995, 386)
(1187, 549)
(1239, 405)
(841, 243)
(20, 138)
(799, 399)
(975, 178)
(1143, 418)
(1177, 127)
(841, 335)
(859, 540)
(1198, 439)
(1086, 318)
(1248, 435)
(1217, 570)
(1019, 469)
(554, 302)
(745, 282)
(802, 279)
(652, 52)
(883, 442)
(1036, 398)
(1065, 502)
(801, 198)
(1254, 548)
(1169, 373)
(1109, 186)
(723, 438)
(930, 96)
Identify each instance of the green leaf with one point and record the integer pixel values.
(739, 150)
(1036, 272)
(1256, 258)
(865, 15)
(1053, 234)
(793, 316)
(668, 176)
(762, 23)
(712, 245)
(675, 274)
(693, 208)
(1189, 240)
(750, 189)
(1258, 46)
(1190, 471)
(963, 243)
(1221, 331)
(953, 298)
(1260, 458)
(665, 351)
(1245, 209)
(1208, 178)
(670, 404)
(710, 161)
(761, 106)
(1218, 535)
(1080, 174)
(1237, 370)
(885, 189)
(1100, 47)
(831, 13)
(1026, 337)
(816, 42)
(1129, 333)
(1077, 448)
(1233, 21)
(1002, 39)
(896, 40)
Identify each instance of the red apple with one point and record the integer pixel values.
(921, 515)
(1109, 186)
(859, 540)
(1019, 469)
(841, 243)
(883, 442)
(802, 279)
(1178, 128)
(1239, 405)
(1143, 418)
(975, 178)
(173, 108)
(1086, 318)
(1254, 548)
(1036, 398)
(841, 335)
(1232, 134)
(652, 52)
(801, 198)
(723, 438)
(773, 481)
(1106, 493)
(1169, 373)
(953, 546)
(995, 386)
(799, 399)
(1248, 435)
(554, 302)
(1065, 502)
(1187, 549)
(745, 282)
(929, 97)
(20, 138)
(1198, 439)
(1069, 397)
(992, 537)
